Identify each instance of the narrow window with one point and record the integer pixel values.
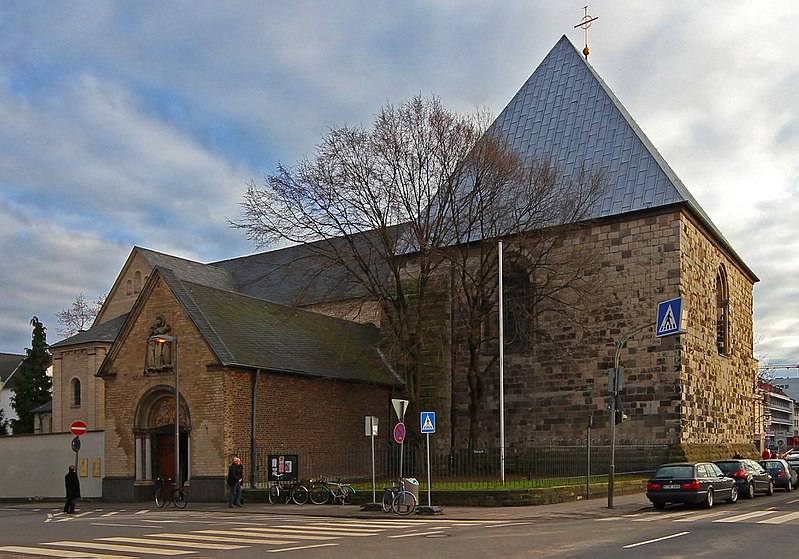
(518, 308)
(722, 313)
(129, 287)
(76, 392)
(137, 282)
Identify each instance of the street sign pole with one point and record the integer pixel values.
(427, 420)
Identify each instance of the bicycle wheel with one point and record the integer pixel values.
(274, 494)
(388, 497)
(160, 497)
(299, 494)
(348, 494)
(403, 503)
(180, 499)
(320, 494)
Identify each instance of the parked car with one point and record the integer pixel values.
(783, 475)
(750, 476)
(792, 458)
(695, 483)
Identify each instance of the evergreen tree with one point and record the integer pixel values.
(31, 383)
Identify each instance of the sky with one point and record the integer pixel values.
(140, 123)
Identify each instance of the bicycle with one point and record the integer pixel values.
(323, 491)
(166, 492)
(287, 491)
(404, 502)
(388, 495)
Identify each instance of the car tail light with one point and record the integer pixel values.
(693, 485)
(781, 474)
(653, 486)
(740, 474)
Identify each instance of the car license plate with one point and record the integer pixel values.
(671, 486)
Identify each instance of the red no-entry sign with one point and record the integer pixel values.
(78, 428)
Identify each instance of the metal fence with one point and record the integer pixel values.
(525, 467)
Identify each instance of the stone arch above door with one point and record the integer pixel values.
(156, 409)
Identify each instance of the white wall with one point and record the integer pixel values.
(5, 404)
(34, 466)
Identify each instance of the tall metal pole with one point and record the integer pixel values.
(614, 396)
(501, 372)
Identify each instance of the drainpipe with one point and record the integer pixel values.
(253, 459)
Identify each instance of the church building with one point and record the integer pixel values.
(275, 352)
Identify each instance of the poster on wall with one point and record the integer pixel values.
(283, 467)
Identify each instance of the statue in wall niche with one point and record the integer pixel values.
(159, 353)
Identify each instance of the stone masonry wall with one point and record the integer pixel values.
(203, 391)
(78, 363)
(551, 389)
(718, 390)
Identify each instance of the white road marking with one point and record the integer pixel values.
(747, 516)
(336, 531)
(300, 547)
(267, 532)
(60, 552)
(699, 517)
(254, 540)
(655, 540)
(115, 547)
(780, 519)
(414, 534)
(155, 540)
(112, 513)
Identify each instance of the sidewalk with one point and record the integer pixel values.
(593, 508)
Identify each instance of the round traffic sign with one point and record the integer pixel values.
(76, 444)
(399, 432)
(78, 428)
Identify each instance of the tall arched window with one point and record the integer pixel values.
(722, 313)
(518, 308)
(76, 392)
(137, 282)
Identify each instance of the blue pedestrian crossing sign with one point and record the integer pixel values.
(428, 421)
(669, 317)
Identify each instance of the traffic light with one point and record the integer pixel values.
(620, 416)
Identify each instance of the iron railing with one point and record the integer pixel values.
(525, 467)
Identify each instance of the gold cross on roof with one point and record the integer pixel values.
(584, 24)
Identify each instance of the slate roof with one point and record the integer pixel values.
(247, 332)
(566, 113)
(8, 364)
(105, 332)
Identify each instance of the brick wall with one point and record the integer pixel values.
(80, 362)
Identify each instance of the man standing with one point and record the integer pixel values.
(235, 475)
(72, 484)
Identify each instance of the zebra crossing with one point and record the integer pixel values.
(771, 516)
(281, 537)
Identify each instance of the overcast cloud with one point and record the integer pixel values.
(139, 123)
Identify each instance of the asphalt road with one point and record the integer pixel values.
(588, 529)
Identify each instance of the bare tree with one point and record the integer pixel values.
(406, 205)
(79, 316)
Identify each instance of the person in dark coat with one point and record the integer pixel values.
(235, 477)
(72, 483)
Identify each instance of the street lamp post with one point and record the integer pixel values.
(166, 340)
(614, 397)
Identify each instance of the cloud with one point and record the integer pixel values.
(140, 123)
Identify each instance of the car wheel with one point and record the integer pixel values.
(750, 490)
(708, 504)
(789, 487)
(660, 505)
(733, 494)
(770, 488)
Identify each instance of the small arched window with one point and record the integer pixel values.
(137, 282)
(722, 313)
(129, 287)
(76, 392)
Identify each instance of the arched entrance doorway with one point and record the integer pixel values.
(154, 430)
